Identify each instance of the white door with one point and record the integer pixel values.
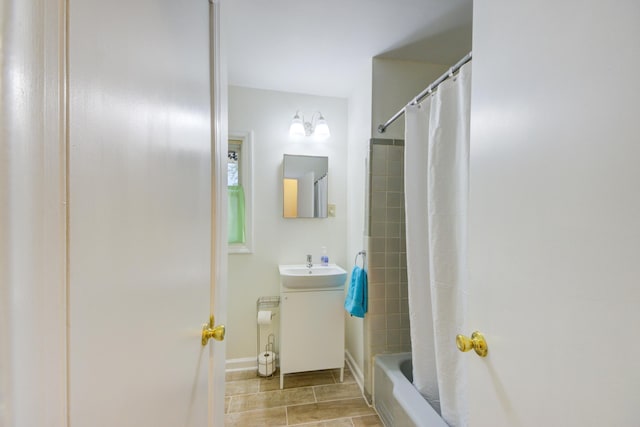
(555, 214)
(140, 213)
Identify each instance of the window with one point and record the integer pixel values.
(239, 185)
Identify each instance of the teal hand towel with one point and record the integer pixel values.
(356, 301)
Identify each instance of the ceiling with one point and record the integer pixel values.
(322, 47)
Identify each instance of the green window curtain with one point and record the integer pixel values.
(235, 219)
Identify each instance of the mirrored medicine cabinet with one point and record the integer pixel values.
(305, 184)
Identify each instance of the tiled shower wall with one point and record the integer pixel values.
(386, 325)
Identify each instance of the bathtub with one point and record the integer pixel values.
(397, 401)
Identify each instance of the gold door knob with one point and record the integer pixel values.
(476, 342)
(209, 331)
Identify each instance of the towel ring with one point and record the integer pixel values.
(364, 259)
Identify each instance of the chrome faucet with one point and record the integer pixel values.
(309, 262)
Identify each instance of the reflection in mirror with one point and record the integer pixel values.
(305, 186)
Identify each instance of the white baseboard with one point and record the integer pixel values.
(241, 364)
(250, 363)
(355, 370)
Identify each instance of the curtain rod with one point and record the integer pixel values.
(426, 92)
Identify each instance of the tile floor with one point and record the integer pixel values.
(310, 399)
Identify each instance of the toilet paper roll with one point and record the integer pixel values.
(264, 317)
(266, 363)
(266, 357)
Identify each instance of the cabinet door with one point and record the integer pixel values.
(312, 331)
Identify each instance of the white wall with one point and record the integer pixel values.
(359, 134)
(555, 212)
(277, 240)
(395, 83)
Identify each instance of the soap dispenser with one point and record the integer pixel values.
(324, 258)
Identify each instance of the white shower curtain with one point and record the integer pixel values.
(436, 199)
(321, 199)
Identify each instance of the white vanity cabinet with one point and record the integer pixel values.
(311, 330)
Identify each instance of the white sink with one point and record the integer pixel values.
(299, 276)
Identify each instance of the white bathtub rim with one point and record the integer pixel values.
(412, 402)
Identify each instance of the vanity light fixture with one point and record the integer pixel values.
(317, 126)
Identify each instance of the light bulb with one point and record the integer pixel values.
(297, 126)
(322, 129)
